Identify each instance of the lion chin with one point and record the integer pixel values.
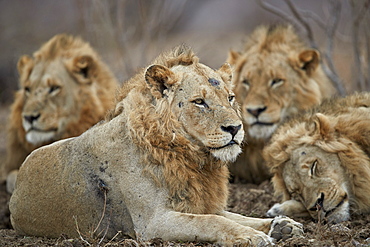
(38, 137)
(262, 132)
(228, 153)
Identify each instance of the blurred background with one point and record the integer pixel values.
(128, 34)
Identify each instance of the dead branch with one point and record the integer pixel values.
(300, 19)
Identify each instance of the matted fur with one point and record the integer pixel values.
(155, 168)
(336, 132)
(276, 75)
(65, 88)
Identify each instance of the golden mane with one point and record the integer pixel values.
(274, 37)
(337, 126)
(165, 146)
(63, 45)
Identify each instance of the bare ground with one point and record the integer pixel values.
(246, 199)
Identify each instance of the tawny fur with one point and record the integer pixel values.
(340, 129)
(157, 164)
(86, 90)
(278, 75)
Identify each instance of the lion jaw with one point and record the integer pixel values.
(36, 135)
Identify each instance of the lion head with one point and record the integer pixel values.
(320, 161)
(276, 76)
(199, 99)
(65, 88)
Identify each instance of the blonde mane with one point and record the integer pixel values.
(165, 146)
(63, 45)
(343, 133)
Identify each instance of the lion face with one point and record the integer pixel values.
(269, 89)
(45, 90)
(317, 180)
(203, 102)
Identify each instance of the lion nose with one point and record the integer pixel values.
(231, 129)
(31, 118)
(256, 111)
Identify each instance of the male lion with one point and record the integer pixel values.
(276, 76)
(65, 89)
(155, 168)
(321, 163)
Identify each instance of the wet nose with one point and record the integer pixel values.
(31, 118)
(231, 129)
(256, 111)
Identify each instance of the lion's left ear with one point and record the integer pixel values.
(159, 78)
(226, 73)
(309, 60)
(233, 56)
(83, 68)
(323, 126)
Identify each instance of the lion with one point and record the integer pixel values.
(65, 88)
(155, 168)
(276, 76)
(320, 161)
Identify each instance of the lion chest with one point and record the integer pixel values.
(201, 192)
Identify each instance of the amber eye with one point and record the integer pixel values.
(200, 102)
(54, 88)
(245, 82)
(276, 82)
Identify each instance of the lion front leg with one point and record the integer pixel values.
(291, 208)
(173, 226)
(279, 227)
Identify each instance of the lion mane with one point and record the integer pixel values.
(65, 88)
(276, 76)
(156, 165)
(339, 129)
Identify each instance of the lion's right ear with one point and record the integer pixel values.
(159, 78)
(309, 60)
(233, 57)
(323, 126)
(25, 65)
(83, 68)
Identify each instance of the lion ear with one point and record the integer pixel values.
(25, 66)
(233, 57)
(226, 72)
(83, 69)
(309, 60)
(159, 78)
(323, 125)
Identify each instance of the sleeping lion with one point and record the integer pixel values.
(65, 88)
(321, 163)
(156, 168)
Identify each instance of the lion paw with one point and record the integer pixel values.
(248, 238)
(275, 211)
(283, 228)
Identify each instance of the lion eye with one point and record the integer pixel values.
(54, 88)
(313, 168)
(27, 89)
(276, 82)
(245, 82)
(200, 102)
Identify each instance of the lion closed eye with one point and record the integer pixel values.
(65, 89)
(276, 76)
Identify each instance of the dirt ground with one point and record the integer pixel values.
(246, 199)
